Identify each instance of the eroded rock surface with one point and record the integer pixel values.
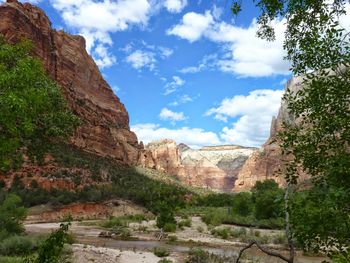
(210, 167)
(105, 122)
(268, 162)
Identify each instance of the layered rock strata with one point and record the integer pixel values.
(105, 122)
(214, 168)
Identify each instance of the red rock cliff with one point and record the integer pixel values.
(268, 161)
(105, 122)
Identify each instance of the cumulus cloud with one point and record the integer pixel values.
(193, 137)
(168, 115)
(246, 55)
(141, 59)
(254, 113)
(96, 20)
(175, 6)
(172, 86)
(192, 26)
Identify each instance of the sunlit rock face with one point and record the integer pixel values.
(268, 162)
(214, 167)
(105, 122)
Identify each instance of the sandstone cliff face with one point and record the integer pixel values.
(268, 161)
(214, 168)
(105, 122)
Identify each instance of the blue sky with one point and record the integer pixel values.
(185, 70)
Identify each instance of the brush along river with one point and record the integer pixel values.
(88, 234)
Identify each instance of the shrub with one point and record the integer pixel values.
(164, 260)
(268, 199)
(243, 204)
(19, 245)
(172, 238)
(166, 216)
(113, 222)
(199, 255)
(169, 227)
(186, 222)
(224, 233)
(122, 232)
(161, 252)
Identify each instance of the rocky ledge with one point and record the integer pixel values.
(105, 122)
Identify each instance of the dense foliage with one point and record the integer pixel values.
(318, 47)
(33, 112)
(12, 213)
(126, 182)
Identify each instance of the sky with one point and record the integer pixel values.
(186, 70)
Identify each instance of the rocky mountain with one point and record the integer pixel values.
(214, 167)
(268, 161)
(105, 122)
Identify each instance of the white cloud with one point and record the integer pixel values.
(168, 115)
(104, 58)
(96, 20)
(207, 62)
(182, 100)
(246, 54)
(192, 26)
(193, 137)
(165, 52)
(141, 59)
(254, 113)
(173, 85)
(175, 6)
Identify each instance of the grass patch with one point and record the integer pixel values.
(161, 252)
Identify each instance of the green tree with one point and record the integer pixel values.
(268, 199)
(318, 48)
(33, 112)
(243, 204)
(50, 251)
(12, 213)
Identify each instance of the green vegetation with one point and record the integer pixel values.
(161, 252)
(199, 255)
(12, 213)
(33, 112)
(127, 182)
(318, 47)
(124, 220)
(164, 260)
(184, 223)
(50, 251)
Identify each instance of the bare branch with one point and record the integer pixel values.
(270, 253)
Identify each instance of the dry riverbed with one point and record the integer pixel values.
(90, 247)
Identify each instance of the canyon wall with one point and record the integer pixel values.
(105, 122)
(267, 163)
(214, 168)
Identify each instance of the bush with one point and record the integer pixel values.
(172, 238)
(268, 199)
(166, 216)
(224, 233)
(164, 260)
(169, 227)
(214, 217)
(122, 232)
(186, 222)
(243, 204)
(12, 213)
(161, 252)
(201, 256)
(19, 245)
